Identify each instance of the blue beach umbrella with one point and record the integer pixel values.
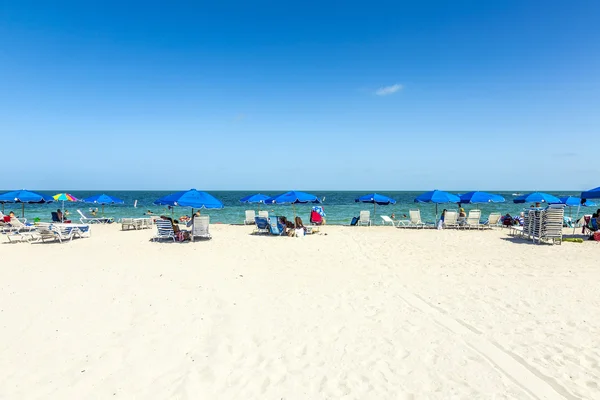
(255, 198)
(591, 194)
(572, 201)
(103, 199)
(375, 199)
(537, 197)
(190, 198)
(24, 196)
(437, 197)
(481, 197)
(293, 197)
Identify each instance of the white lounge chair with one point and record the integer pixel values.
(364, 218)
(60, 232)
(415, 219)
(93, 220)
(473, 219)
(200, 227)
(263, 214)
(250, 215)
(451, 219)
(493, 220)
(387, 220)
(164, 230)
(130, 223)
(19, 226)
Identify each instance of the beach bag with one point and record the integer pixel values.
(354, 221)
(597, 236)
(179, 236)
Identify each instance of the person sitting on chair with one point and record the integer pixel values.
(61, 217)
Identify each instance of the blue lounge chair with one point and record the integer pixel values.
(276, 227)
(262, 225)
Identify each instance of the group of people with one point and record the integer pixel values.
(293, 228)
(181, 234)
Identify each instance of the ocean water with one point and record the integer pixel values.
(339, 206)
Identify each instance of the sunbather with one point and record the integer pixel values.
(299, 224)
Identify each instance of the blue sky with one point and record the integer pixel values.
(343, 95)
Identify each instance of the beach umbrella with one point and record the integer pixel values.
(190, 198)
(481, 197)
(24, 196)
(591, 194)
(572, 201)
(64, 197)
(537, 197)
(255, 198)
(293, 197)
(437, 197)
(103, 199)
(375, 199)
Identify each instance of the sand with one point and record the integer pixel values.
(359, 313)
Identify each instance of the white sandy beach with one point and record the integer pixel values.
(359, 313)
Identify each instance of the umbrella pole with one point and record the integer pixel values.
(374, 205)
(578, 208)
(436, 212)
(22, 210)
(102, 210)
(63, 212)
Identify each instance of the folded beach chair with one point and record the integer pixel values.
(93, 220)
(451, 219)
(473, 219)
(164, 230)
(250, 215)
(276, 227)
(364, 218)
(415, 219)
(399, 223)
(262, 225)
(146, 223)
(200, 227)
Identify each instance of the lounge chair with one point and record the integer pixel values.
(451, 219)
(493, 220)
(276, 227)
(262, 225)
(415, 219)
(263, 214)
(200, 227)
(94, 220)
(364, 218)
(164, 230)
(387, 220)
(401, 223)
(19, 226)
(250, 215)
(473, 219)
(55, 232)
(131, 223)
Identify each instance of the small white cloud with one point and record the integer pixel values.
(387, 90)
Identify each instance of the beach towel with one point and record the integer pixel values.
(354, 221)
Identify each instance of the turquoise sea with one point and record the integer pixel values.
(339, 205)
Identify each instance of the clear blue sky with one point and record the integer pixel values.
(317, 95)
